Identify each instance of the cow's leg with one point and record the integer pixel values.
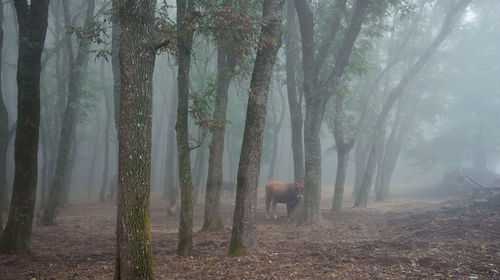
(274, 202)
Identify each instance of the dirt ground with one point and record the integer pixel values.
(397, 239)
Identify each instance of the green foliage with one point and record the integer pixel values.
(202, 105)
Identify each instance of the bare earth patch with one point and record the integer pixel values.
(397, 239)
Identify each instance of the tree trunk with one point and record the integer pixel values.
(225, 67)
(276, 132)
(294, 101)
(317, 96)
(68, 176)
(109, 113)
(77, 66)
(338, 193)
(343, 150)
(362, 196)
(243, 238)
(137, 60)
(32, 21)
(393, 149)
(4, 134)
(184, 48)
(171, 172)
(199, 165)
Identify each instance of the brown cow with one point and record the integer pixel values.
(280, 192)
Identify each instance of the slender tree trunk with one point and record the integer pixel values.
(225, 67)
(32, 21)
(171, 172)
(362, 196)
(45, 166)
(243, 238)
(77, 66)
(199, 166)
(4, 134)
(105, 172)
(184, 48)
(338, 193)
(137, 60)
(292, 49)
(393, 149)
(277, 129)
(68, 176)
(93, 164)
(343, 150)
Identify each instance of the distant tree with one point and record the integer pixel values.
(243, 238)
(32, 21)
(276, 128)
(107, 135)
(318, 87)
(292, 53)
(77, 66)
(377, 138)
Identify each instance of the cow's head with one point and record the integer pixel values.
(299, 187)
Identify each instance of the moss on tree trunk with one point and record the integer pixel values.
(137, 59)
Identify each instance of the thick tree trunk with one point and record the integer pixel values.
(225, 67)
(243, 238)
(362, 196)
(137, 59)
(4, 134)
(292, 52)
(32, 21)
(184, 48)
(77, 66)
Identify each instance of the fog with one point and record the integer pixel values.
(408, 92)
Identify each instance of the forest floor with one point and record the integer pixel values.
(396, 239)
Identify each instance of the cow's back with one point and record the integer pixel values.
(276, 189)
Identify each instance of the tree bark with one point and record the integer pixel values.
(184, 48)
(225, 67)
(243, 238)
(294, 101)
(362, 196)
(137, 60)
(4, 134)
(77, 66)
(32, 21)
